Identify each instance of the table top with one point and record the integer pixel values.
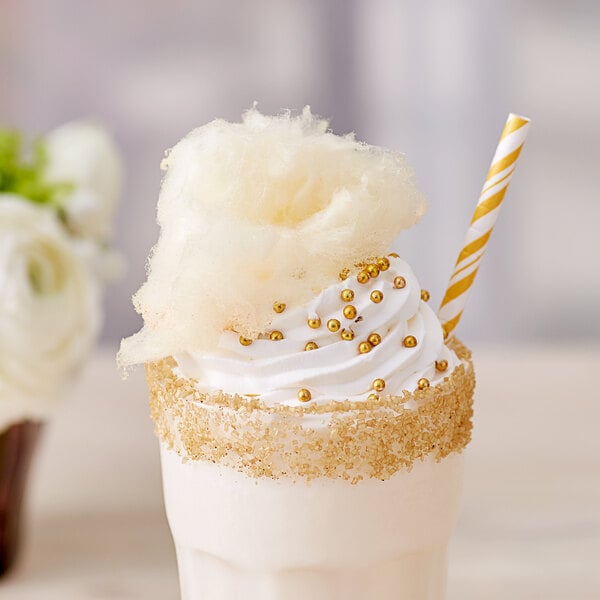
(529, 527)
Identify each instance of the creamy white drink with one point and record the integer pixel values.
(311, 416)
(240, 538)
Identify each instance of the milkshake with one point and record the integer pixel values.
(310, 414)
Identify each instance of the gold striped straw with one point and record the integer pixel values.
(482, 223)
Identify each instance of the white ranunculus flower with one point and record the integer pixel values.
(104, 263)
(49, 310)
(83, 154)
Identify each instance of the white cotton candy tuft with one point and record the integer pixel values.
(270, 209)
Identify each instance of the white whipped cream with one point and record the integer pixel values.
(276, 370)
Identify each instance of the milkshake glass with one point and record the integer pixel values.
(310, 413)
(285, 527)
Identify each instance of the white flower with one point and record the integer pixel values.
(49, 310)
(83, 154)
(104, 263)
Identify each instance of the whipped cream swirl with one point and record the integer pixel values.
(275, 370)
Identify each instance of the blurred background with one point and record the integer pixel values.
(434, 80)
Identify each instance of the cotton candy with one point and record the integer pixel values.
(269, 209)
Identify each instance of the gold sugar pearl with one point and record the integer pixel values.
(350, 312)
(244, 341)
(394, 255)
(383, 264)
(314, 323)
(347, 295)
(374, 339)
(347, 335)
(376, 296)
(378, 385)
(399, 282)
(276, 336)
(344, 274)
(278, 307)
(425, 295)
(333, 325)
(364, 347)
(311, 346)
(372, 270)
(410, 341)
(304, 395)
(441, 365)
(423, 383)
(373, 397)
(363, 277)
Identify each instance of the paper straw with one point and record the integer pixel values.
(488, 206)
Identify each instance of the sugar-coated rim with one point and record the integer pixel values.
(352, 440)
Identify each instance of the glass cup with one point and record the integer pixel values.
(347, 500)
(246, 539)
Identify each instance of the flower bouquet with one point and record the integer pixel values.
(57, 200)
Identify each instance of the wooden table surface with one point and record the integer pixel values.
(529, 527)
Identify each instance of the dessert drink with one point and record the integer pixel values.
(347, 495)
(311, 414)
(278, 540)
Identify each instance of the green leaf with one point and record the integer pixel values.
(24, 173)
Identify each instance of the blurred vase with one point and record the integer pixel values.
(17, 444)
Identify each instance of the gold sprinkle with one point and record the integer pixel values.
(410, 341)
(376, 445)
(344, 274)
(278, 307)
(394, 255)
(383, 263)
(244, 341)
(350, 312)
(441, 365)
(378, 385)
(311, 346)
(423, 383)
(399, 282)
(425, 295)
(445, 331)
(364, 347)
(347, 334)
(362, 277)
(314, 323)
(304, 395)
(347, 295)
(333, 325)
(376, 296)
(374, 339)
(276, 335)
(373, 397)
(373, 270)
